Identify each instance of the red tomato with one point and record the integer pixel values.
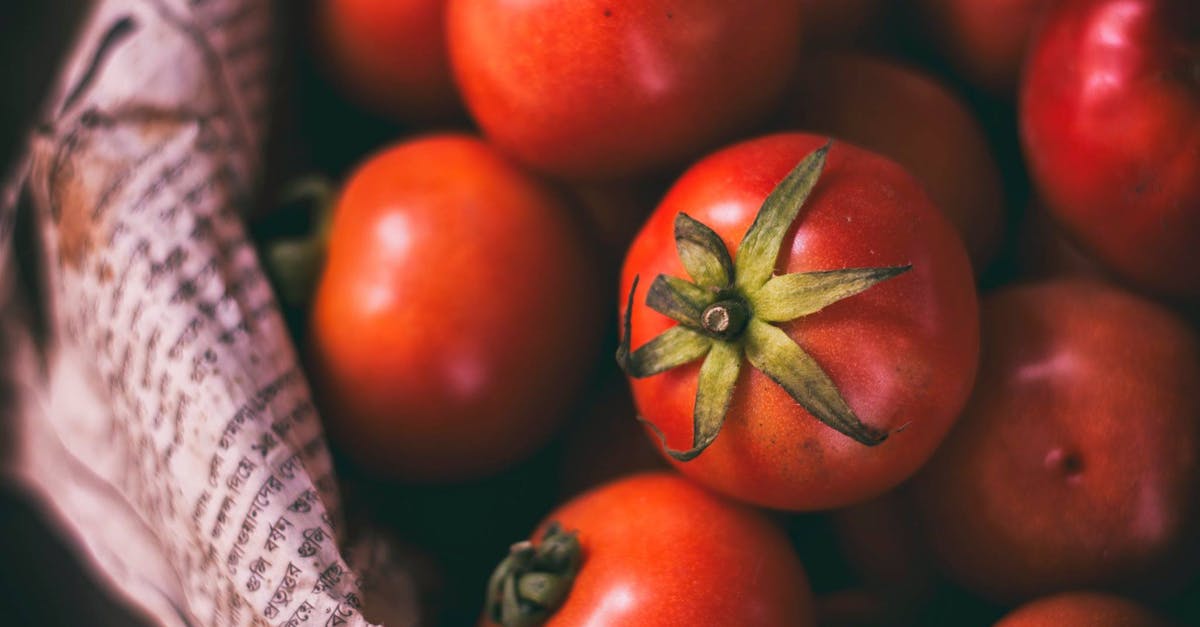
(902, 353)
(659, 551)
(984, 39)
(455, 317)
(1077, 461)
(907, 116)
(1082, 609)
(1110, 122)
(594, 89)
(390, 55)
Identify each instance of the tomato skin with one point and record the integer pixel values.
(1110, 123)
(599, 89)
(662, 552)
(390, 55)
(1082, 609)
(455, 317)
(907, 116)
(1076, 462)
(985, 39)
(903, 353)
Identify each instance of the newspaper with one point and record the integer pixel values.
(165, 421)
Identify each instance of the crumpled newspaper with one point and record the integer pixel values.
(165, 421)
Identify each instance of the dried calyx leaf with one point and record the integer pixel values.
(534, 580)
(727, 311)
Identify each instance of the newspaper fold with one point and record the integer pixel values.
(167, 425)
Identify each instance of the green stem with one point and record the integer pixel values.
(533, 581)
(294, 263)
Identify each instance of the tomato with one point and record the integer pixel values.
(901, 354)
(454, 319)
(390, 55)
(1110, 123)
(909, 117)
(1077, 461)
(984, 39)
(655, 550)
(597, 89)
(1082, 609)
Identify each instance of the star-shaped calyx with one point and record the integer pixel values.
(729, 308)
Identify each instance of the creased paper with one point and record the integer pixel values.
(171, 430)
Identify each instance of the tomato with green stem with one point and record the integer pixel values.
(652, 550)
(823, 363)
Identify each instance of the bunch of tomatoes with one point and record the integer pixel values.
(766, 312)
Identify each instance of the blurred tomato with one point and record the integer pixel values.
(598, 89)
(907, 116)
(1110, 122)
(1082, 609)
(1077, 461)
(984, 39)
(390, 55)
(457, 313)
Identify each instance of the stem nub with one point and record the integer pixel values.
(533, 581)
(725, 319)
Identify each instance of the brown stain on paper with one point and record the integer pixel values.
(93, 165)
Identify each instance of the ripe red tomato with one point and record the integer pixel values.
(455, 317)
(594, 89)
(1110, 122)
(390, 55)
(1082, 609)
(1077, 461)
(909, 117)
(984, 39)
(658, 551)
(902, 353)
